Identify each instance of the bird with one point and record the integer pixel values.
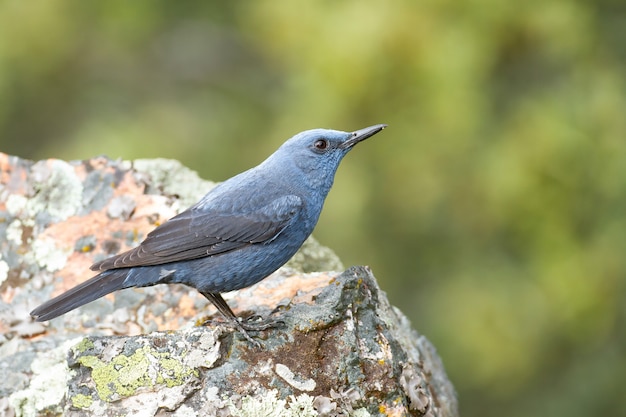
(239, 233)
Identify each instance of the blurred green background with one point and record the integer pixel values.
(493, 208)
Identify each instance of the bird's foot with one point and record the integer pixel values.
(244, 325)
(245, 334)
(251, 324)
(255, 323)
(248, 325)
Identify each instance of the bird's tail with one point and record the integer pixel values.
(90, 290)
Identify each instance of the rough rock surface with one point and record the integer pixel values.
(343, 349)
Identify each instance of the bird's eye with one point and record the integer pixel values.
(321, 144)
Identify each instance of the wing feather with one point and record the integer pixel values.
(199, 232)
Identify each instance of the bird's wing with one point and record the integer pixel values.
(198, 232)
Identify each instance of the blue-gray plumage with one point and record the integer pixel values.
(239, 233)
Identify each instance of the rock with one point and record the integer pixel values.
(343, 349)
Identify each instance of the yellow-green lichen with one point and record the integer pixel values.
(173, 372)
(84, 345)
(124, 375)
(81, 401)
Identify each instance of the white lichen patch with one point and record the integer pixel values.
(173, 178)
(269, 405)
(412, 384)
(16, 204)
(4, 271)
(14, 232)
(207, 351)
(360, 412)
(48, 384)
(47, 255)
(185, 411)
(58, 191)
(121, 207)
(299, 383)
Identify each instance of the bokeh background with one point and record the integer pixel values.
(493, 208)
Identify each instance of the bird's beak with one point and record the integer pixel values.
(361, 135)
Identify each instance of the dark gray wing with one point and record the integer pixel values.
(197, 232)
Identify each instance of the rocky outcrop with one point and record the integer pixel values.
(342, 348)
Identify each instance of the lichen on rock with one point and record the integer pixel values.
(342, 350)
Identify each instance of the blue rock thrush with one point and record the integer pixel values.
(239, 233)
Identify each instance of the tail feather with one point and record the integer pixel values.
(90, 290)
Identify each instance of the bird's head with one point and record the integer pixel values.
(318, 152)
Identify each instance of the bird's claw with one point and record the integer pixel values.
(252, 341)
(246, 325)
(250, 325)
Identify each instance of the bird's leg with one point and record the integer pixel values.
(228, 314)
(265, 324)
